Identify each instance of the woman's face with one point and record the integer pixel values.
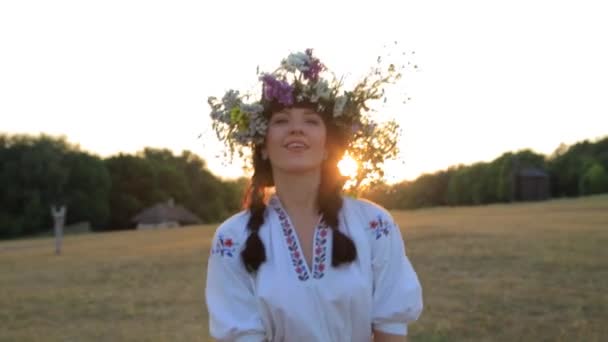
(295, 141)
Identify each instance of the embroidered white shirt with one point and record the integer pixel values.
(286, 300)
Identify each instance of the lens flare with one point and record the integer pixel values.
(348, 166)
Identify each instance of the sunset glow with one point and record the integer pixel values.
(144, 80)
(348, 166)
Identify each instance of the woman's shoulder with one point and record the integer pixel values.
(365, 206)
(373, 218)
(235, 226)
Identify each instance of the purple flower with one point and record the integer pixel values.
(277, 90)
(315, 67)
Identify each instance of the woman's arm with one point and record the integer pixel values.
(229, 294)
(384, 337)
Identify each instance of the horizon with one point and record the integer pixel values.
(219, 176)
(492, 78)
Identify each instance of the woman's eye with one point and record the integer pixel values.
(314, 122)
(278, 121)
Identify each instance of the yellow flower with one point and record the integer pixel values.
(239, 118)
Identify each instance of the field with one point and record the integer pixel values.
(520, 272)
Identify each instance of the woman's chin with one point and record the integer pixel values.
(299, 168)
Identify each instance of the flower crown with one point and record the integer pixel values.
(303, 79)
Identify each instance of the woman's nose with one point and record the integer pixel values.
(295, 128)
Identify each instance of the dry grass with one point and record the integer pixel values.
(522, 272)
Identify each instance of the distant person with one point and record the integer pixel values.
(305, 263)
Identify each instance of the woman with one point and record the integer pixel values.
(307, 263)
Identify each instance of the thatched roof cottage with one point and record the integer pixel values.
(165, 215)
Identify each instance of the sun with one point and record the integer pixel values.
(348, 166)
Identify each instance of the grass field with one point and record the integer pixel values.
(520, 272)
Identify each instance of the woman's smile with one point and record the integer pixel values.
(296, 146)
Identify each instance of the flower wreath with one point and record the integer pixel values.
(301, 78)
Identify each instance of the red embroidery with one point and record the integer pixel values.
(320, 252)
(296, 256)
(224, 247)
(288, 233)
(380, 227)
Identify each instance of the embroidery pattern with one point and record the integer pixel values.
(320, 252)
(297, 259)
(380, 227)
(224, 247)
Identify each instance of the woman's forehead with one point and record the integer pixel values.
(296, 111)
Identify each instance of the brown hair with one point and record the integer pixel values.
(330, 200)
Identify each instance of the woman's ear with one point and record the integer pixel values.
(264, 153)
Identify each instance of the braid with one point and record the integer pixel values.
(330, 203)
(254, 254)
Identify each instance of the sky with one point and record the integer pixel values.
(492, 77)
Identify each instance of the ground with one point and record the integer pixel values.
(518, 272)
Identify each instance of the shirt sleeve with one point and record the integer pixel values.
(397, 293)
(232, 305)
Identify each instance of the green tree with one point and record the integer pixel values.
(133, 188)
(459, 191)
(374, 149)
(87, 189)
(567, 165)
(33, 175)
(594, 180)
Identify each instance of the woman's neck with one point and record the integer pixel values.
(298, 192)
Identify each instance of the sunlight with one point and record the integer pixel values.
(348, 166)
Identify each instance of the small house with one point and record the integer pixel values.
(165, 215)
(532, 184)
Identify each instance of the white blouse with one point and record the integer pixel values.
(288, 301)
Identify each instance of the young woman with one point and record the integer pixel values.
(307, 263)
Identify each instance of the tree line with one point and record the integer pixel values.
(577, 170)
(39, 171)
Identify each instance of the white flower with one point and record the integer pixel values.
(297, 61)
(339, 106)
(306, 88)
(253, 108)
(261, 128)
(322, 91)
(231, 99)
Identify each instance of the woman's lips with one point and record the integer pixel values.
(296, 146)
